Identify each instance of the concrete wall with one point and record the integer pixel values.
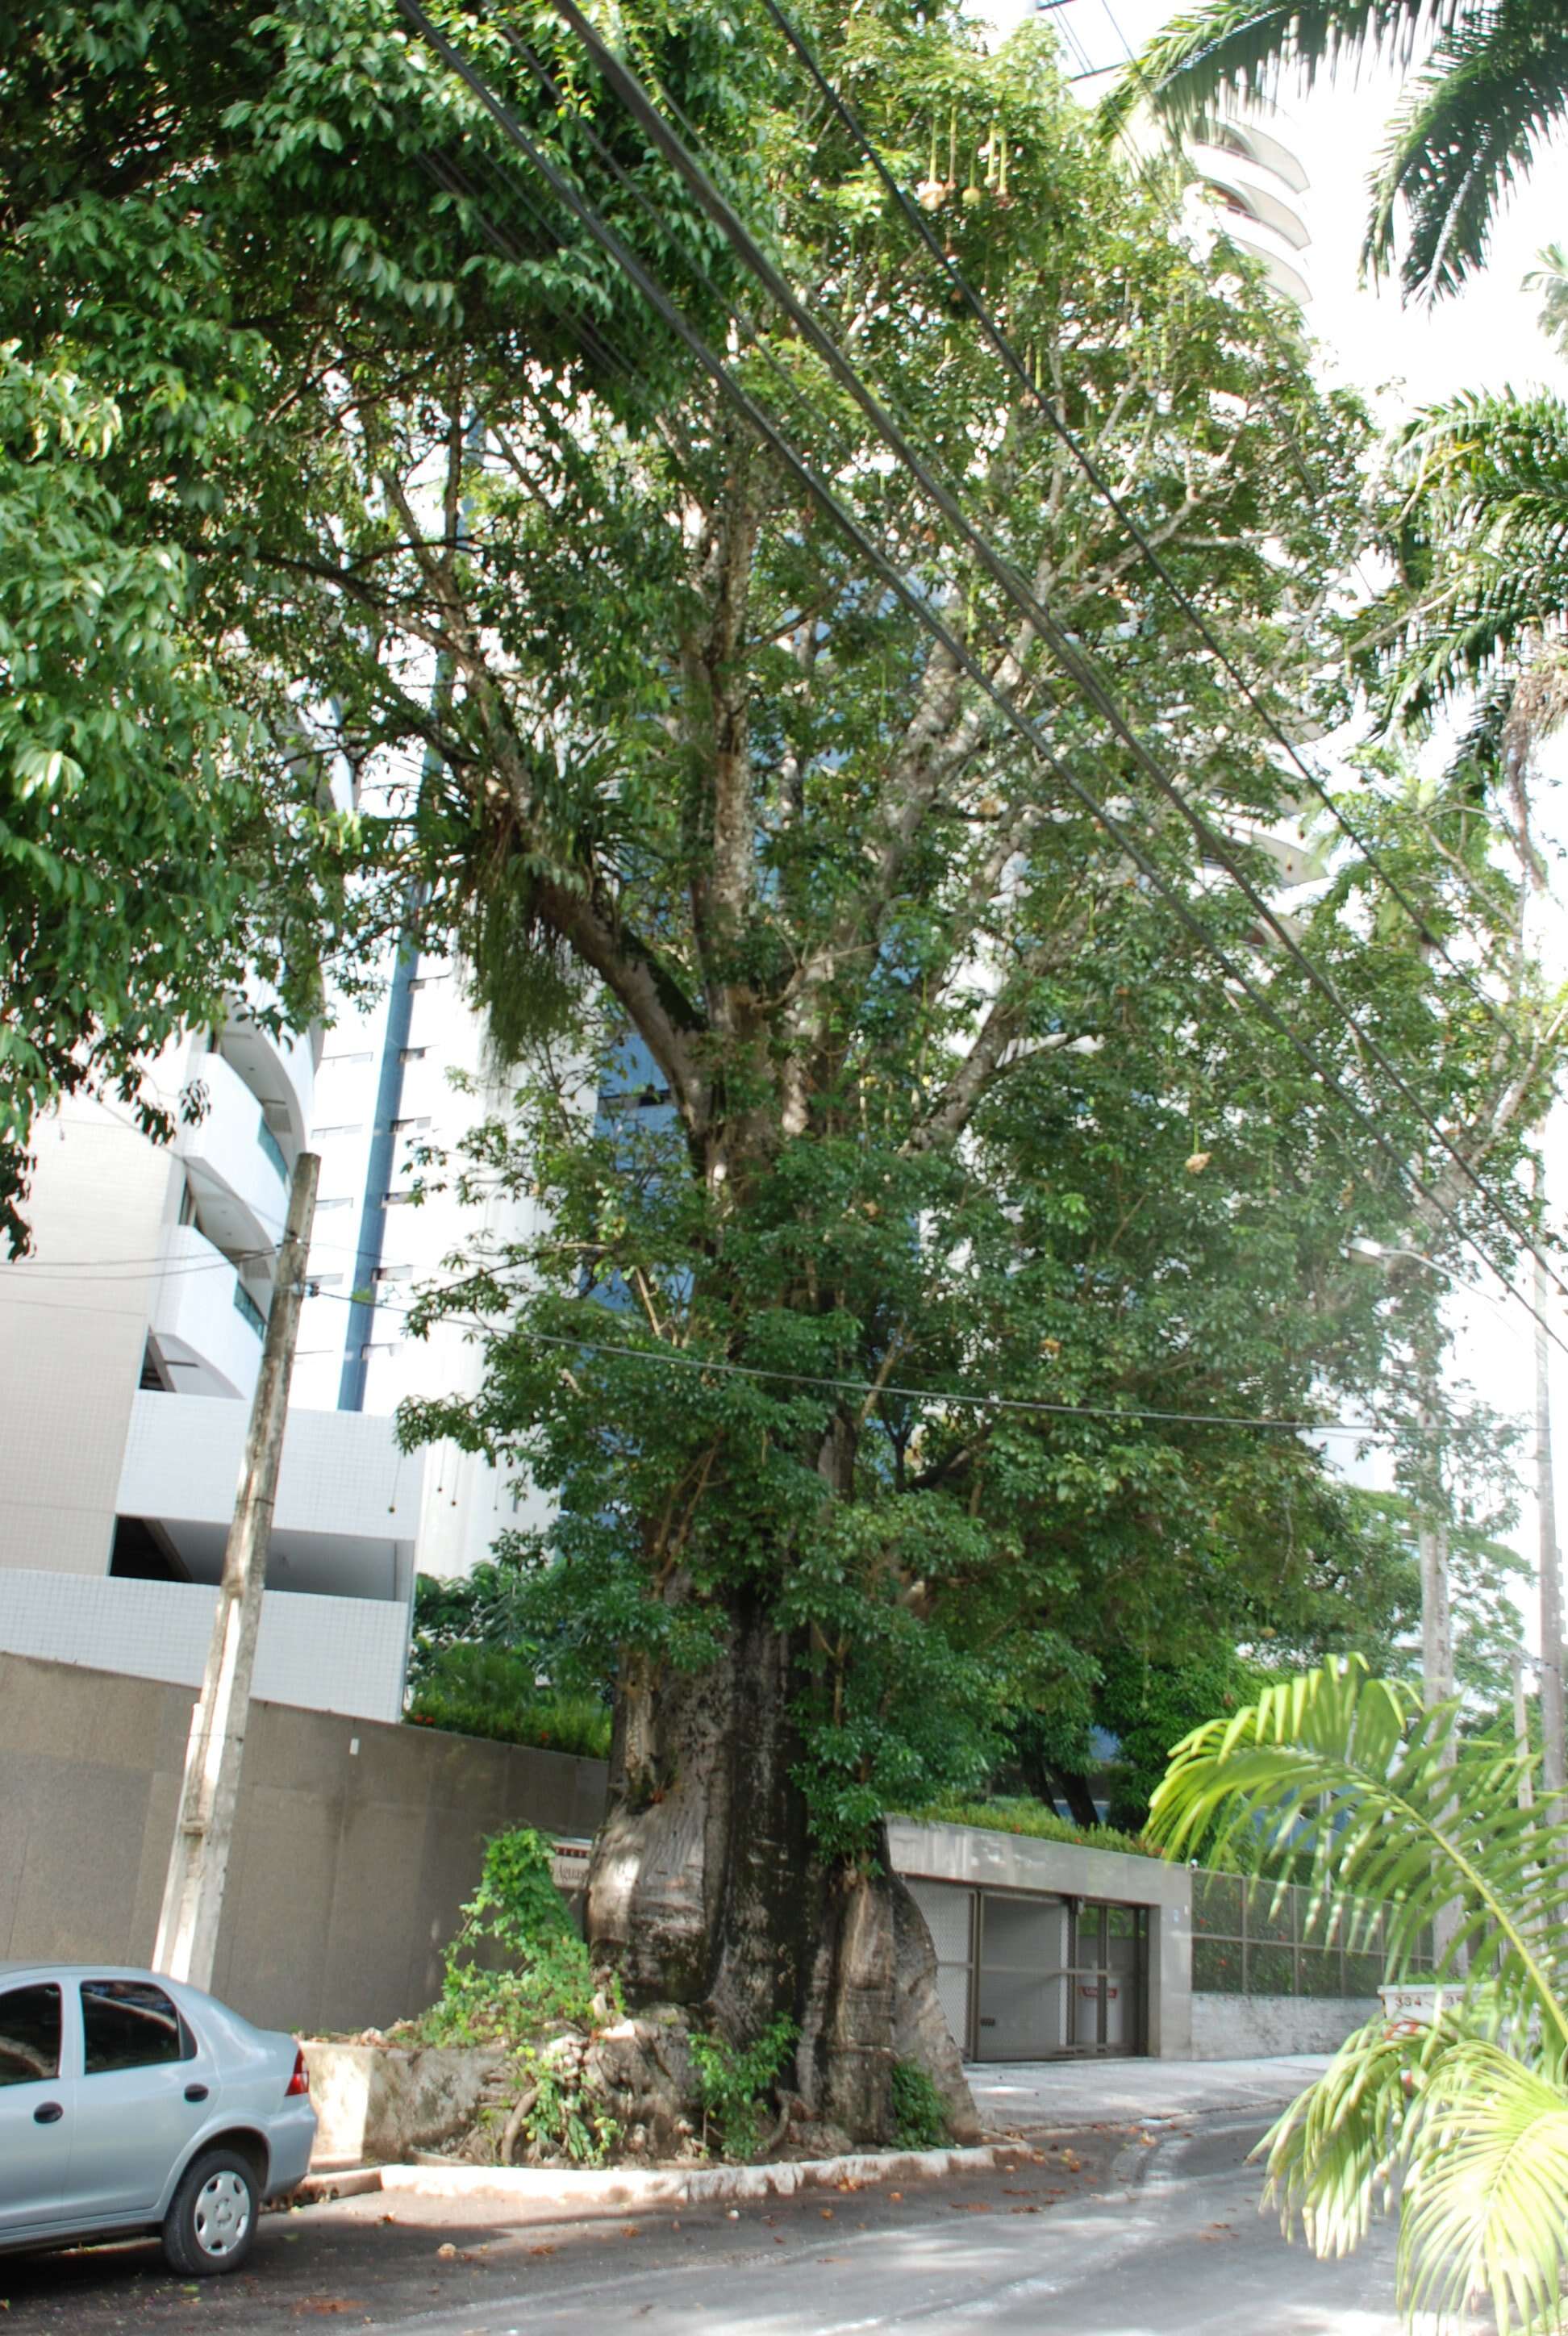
(1248, 2027)
(328, 1654)
(356, 1845)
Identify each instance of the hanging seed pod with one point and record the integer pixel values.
(1002, 194)
(953, 151)
(931, 192)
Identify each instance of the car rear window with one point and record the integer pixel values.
(29, 2034)
(128, 2023)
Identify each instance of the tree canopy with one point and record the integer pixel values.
(970, 1249)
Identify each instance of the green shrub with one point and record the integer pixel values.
(491, 1691)
(1030, 1817)
(734, 2085)
(920, 2113)
(534, 1972)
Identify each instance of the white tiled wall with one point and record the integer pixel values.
(327, 1654)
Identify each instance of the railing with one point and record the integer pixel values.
(1270, 1938)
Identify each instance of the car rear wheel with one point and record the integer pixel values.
(211, 2223)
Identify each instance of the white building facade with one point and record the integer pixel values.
(129, 1344)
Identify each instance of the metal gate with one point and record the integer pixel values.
(1022, 1976)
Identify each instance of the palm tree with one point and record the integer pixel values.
(1494, 85)
(1464, 2122)
(1481, 543)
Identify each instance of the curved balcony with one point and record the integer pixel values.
(239, 1175)
(279, 1071)
(207, 1328)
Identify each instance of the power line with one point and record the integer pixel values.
(964, 1398)
(659, 300)
(629, 88)
(1093, 472)
(822, 496)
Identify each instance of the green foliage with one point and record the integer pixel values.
(734, 2085)
(568, 2121)
(223, 266)
(1466, 2122)
(1007, 1815)
(835, 1153)
(920, 2113)
(493, 1691)
(516, 1964)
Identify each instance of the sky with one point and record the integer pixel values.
(1485, 337)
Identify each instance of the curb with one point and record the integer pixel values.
(351, 2182)
(609, 2192)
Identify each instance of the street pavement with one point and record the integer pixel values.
(1120, 2228)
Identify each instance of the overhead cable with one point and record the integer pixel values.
(822, 496)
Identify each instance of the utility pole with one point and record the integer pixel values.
(1552, 1759)
(1522, 1729)
(199, 1860)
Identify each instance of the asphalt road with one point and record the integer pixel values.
(1119, 2230)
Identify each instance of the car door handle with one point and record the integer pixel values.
(196, 2092)
(48, 2113)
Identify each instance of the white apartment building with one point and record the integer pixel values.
(129, 1342)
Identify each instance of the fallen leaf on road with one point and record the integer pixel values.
(631, 2230)
(541, 2250)
(968, 2206)
(896, 2196)
(446, 2251)
(827, 2213)
(324, 2306)
(1023, 2209)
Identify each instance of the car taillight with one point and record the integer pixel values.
(300, 2080)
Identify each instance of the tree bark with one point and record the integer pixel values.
(707, 1900)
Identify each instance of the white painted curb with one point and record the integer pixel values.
(611, 2189)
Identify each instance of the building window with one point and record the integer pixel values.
(398, 1201)
(271, 1146)
(364, 1057)
(341, 1127)
(245, 1306)
(400, 1127)
(412, 1054)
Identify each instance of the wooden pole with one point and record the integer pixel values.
(1552, 1754)
(1522, 1730)
(199, 1860)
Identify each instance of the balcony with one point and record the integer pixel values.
(239, 1178)
(348, 1500)
(206, 1326)
(279, 1071)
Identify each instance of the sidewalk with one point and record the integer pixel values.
(1026, 2095)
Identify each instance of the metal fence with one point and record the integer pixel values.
(1271, 1938)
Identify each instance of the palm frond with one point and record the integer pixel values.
(1393, 1805)
(1482, 544)
(1243, 45)
(1463, 2125)
(1492, 89)
(1551, 280)
(1482, 2208)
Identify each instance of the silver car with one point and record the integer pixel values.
(130, 2103)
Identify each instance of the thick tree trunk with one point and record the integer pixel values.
(706, 1897)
